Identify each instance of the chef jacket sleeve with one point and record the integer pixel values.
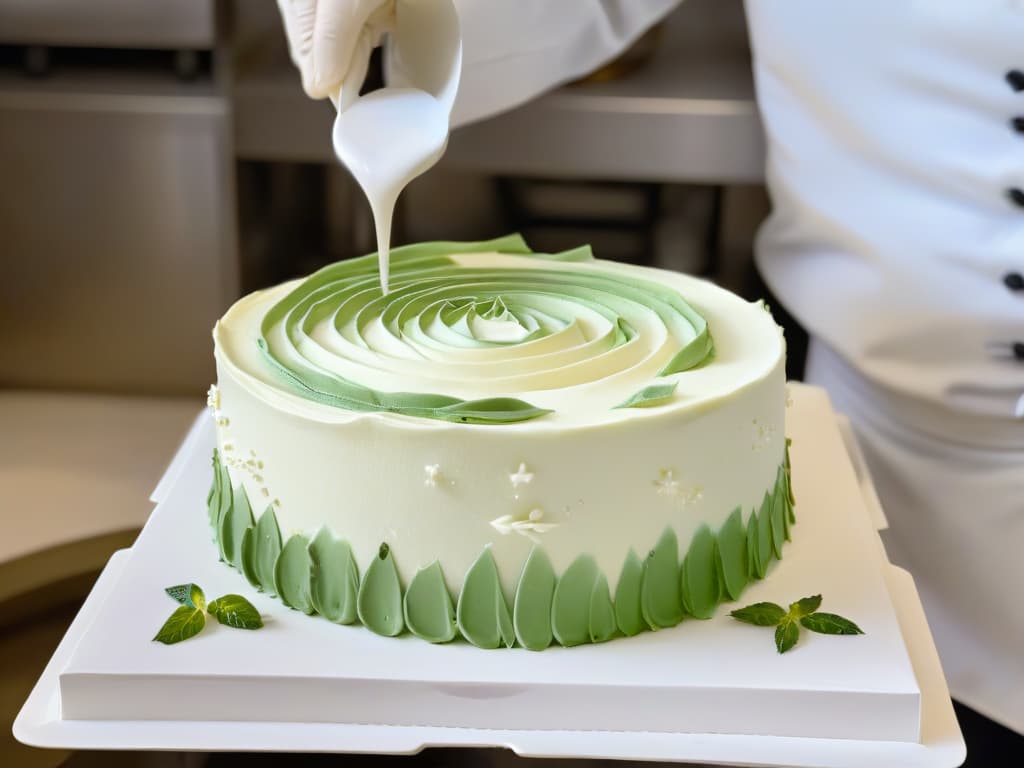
(514, 50)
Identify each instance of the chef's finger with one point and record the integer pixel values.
(299, 18)
(339, 25)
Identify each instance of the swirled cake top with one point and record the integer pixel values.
(490, 333)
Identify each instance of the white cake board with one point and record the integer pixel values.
(827, 686)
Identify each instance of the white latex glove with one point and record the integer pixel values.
(330, 41)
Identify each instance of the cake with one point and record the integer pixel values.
(512, 448)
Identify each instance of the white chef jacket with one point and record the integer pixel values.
(896, 169)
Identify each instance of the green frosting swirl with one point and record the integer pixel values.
(334, 578)
(429, 612)
(379, 602)
(531, 609)
(482, 612)
(335, 327)
(292, 574)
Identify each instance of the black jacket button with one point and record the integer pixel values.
(1016, 79)
(1016, 194)
(1017, 123)
(1014, 281)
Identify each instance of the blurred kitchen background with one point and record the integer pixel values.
(158, 159)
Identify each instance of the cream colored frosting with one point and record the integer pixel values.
(586, 477)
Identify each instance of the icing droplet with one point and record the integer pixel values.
(666, 483)
(522, 476)
(763, 434)
(432, 474)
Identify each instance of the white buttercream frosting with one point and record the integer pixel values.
(374, 476)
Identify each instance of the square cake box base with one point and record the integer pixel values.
(941, 746)
(715, 677)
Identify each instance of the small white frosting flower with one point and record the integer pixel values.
(522, 476)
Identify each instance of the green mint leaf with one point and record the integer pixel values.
(761, 614)
(786, 635)
(235, 611)
(188, 594)
(186, 621)
(804, 607)
(830, 624)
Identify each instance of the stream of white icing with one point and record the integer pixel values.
(386, 139)
(390, 136)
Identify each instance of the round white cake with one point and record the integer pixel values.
(503, 435)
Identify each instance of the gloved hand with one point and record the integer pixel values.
(330, 41)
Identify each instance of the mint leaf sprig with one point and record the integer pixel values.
(189, 618)
(787, 624)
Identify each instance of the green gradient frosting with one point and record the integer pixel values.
(732, 555)
(764, 533)
(628, 615)
(602, 612)
(265, 544)
(292, 574)
(219, 503)
(570, 611)
(379, 602)
(660, 601)
(699, 587)
(334, 578)
(213, 497)
(655, 592)
(429, 612)
(316, 338)
(482, 612)
(248, 568)
(236, 521)
(531, 610)
(779, 515)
